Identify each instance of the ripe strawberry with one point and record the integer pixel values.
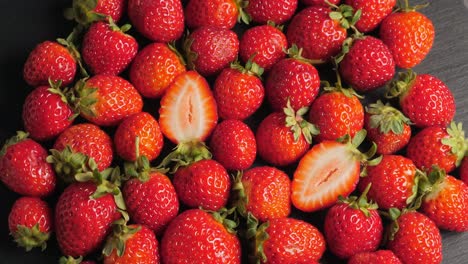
(417, 239)
(376, 257)
(218, 13)
(277, 11)
(263, 44)
(203, 184)
(352, 226)
(373, 12)
(189, 239)
(263, 192)
(46, 112)
(239, 91)
(464, 170)
(210, 49)
(157, 20)
(394, 183)
(30, 222)
(319, 2)
(409, 34)
(233, 145)
(436, 145)
(23, 167)
(328, 170)
(423, 98)
(86, 12)
(143, 129)
(293, 79)
(387, 127)
(49, 60)
(107, 49)
(154, 68)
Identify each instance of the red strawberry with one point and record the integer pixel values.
(233, 145)
(264, 45)
(409, 35)
(387, 127)
(30, 222)
(23, 167)
(293, 79)
(49, 60)
(107, 49)
(157, 20)
(436, 145)
(113, 8)
(376, 257)
(154, 68)
(373, 12)
(263, 192)
(239, 91)
(46, 112)
(210, 49)
(277, 11)
(319, 2)
(464, 170)
(143, 129)
(218, 13)
(86, 12)
(205, 184)
(423, 98)
(189, 239)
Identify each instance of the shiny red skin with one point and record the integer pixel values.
(146, 128)
(45, 115)
(392, 182)
(28, 212)
(319, 2)
(266, 43)
(189, 239)
(204, 184)
(389, 143)
(218, 13)
(90, 140)
(49, 60)
(373, 12)
(275, 141)
(233, 145)
(277, 11)
(418, 239)
(464, 170)
(24, 169)
(112, 8)
(292, 79)
(368, 65)
(238, 95)
(157, 20)
(313, 30)
(83, 223)
(154, 68)
(153, 203)
(349, 231)
(376, 257)
(215, 47)
(106, 51)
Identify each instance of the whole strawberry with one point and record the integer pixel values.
(157, 20)
(218, 13)
(23, 167)
(277, 11)
(373, 12)
(376, 257)
(149, 71)
(209, 49)
(30, 222)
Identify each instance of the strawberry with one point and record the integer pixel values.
(233, 145)
(352, 226)
(30, 222)
(277, 11)
(189, 239)
(263, 192)
(293, 79)
(366, 63)
(143, 129)
(49, 60)
(46, 112)
(157, 20)
(423, 98)
(218, 13)
(263, 44)
(149, 72)
(23, 167)
(85, 12)
(387, 127)
(209, 49)
(464, 170)
(409, 34)
(437, 145)
(239, 91)
(319, 2)
(107, 49)
(203, 184)
(328, 170)
(376, 257)
(373, 12)
(394, 183)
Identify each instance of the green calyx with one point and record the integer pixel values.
(240, 200)
(400, 86)
(141, 168)
(172, 47)
(360, 203)
(30, 238)
(456, 141)
(185, 154)
(69, 43)
(387, 118)
(20, 136)
(294, 52)
(404, 6)
(348, 92)
(273, 24)
(70, 260)
(55, 88)
(190, 55)
(345, 15)
(243, 16)
(298, 125)
(82, 11)
(251, 68)
(257, 235)
(83, 98)
(114, 27)
(121, 233)
(393, 214)
(425, 184)
(223, 216)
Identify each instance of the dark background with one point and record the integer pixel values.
(25, 23)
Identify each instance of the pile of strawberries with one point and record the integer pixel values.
(258, 136)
